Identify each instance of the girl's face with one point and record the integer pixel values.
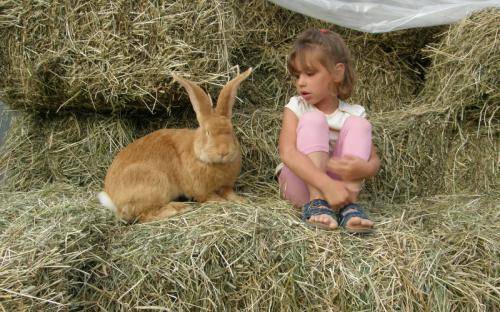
(313, 81)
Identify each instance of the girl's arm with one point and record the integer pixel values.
(302, 165)
(351, 168)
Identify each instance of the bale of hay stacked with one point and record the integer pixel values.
(78, 149)
(254, 256)
(68, 253)
(63, 148)
(60, 250)
(463, 82)
(447, 140)
(50, 241)
(72, 71)
(109, 56)
(387, 76)
(414, 161)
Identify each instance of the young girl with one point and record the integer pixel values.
(325, 144)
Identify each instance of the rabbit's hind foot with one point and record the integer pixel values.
(169, 210)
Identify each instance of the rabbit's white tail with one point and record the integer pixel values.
(106, 201)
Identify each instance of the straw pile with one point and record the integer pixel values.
(436, 129)
(78, 149)
(435, 145)
(448, 138)
(58, 253)
(49, 241)
(109, 56)
(424, 155)
(463, 77)
(385, 63)
(48, 149)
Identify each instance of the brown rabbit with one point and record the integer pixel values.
(202, 164)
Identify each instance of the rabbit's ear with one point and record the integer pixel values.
(202, 103)
(227, 95)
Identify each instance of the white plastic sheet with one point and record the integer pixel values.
(387, 15)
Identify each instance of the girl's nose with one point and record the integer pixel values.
(301, 81)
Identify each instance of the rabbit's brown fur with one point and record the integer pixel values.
(202, 164)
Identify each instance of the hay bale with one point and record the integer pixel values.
(473, 165)
(425, 254)
(385, 63)
(5, 117)
(260, 258)
(446, 140)
(45, 149)
(112, 56)
(108, 56)
(50, 241)
(415, 141)
(421, 153)
(463, 76)
(77, 150)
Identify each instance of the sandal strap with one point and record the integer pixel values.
(350, 211)
(317, 207)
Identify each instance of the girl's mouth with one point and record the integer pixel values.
(305, 94)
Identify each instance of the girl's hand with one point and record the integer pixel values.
(336, 194)
(349, 168)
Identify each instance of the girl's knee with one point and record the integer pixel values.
(313, 119)
(313, 133)
(359, 123)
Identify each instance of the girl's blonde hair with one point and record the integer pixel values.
(333, 50)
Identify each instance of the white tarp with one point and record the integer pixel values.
(387, 15)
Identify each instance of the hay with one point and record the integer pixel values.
(43, 149)
(463, 76)
(49, 240)
(447, 139)
(421, 154)
(115, 56)
(424, 154)
(65, 148)
(384, 62)
(109, 55)
(5, 117)
(61, 251)
(428, 254)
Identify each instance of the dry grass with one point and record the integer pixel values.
(113, 56)
(61, 251)
(49, 239)
(463, 76)
(447, 139)
(108, 56)
(66, 148)
(386, 63)
(421, 154)
(42, 150)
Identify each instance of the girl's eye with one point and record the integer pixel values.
(310, 73)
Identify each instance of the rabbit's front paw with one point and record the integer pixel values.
(229, 194)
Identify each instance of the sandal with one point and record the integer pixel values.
(318, 207)
(350, 211)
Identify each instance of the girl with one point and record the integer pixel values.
(325, 144)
